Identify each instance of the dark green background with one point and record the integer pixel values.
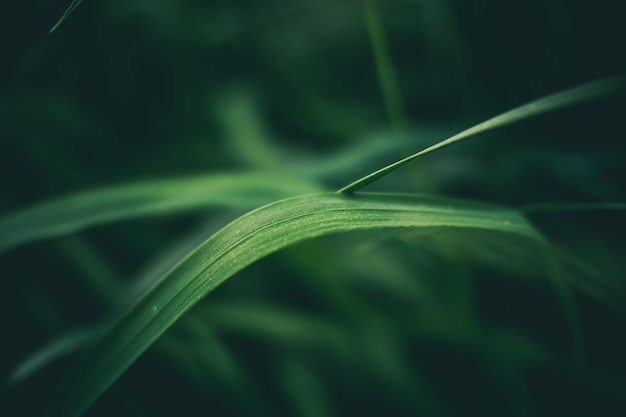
(140, 89)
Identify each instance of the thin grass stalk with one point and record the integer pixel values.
(586, 92)
(387, 76)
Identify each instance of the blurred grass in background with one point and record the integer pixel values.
(370, 323)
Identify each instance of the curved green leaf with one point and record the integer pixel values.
(585, 92)
(82, 210)
(245, 240)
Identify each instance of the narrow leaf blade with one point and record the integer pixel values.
(585, 92)
(68, 11)
(121, 202)
(247, 239)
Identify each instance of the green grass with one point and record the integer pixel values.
(496, 287)
(66, 14)
(243, 241)
(552, 102)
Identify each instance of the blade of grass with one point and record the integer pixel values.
(384, 66)
(585, 92)
(603, 284)
(49, 353)
(90, 208)
(245, 240)
(565, 297)
(246, 133)
(560, 279)
(68, 11)
(304, 387)
(278, 325)
(125, 201)
(551, 207)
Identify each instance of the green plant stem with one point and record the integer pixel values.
(384, 66)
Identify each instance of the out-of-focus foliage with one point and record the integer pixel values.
(371, 322)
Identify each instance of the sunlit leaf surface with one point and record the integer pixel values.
(244, 241)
